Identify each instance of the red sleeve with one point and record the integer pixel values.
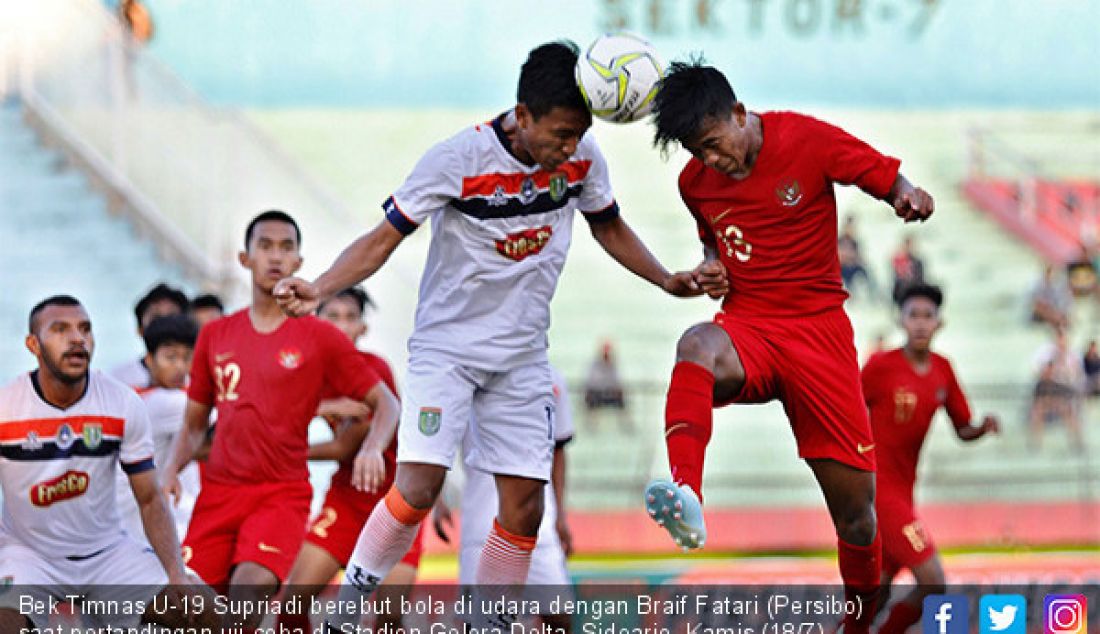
(870, 377)
(383, 370)
(850, 161)
(346, 371)
(958, 409)
(201, 387)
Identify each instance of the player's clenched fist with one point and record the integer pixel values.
(711, 277)
(296, 297)
(914, 205)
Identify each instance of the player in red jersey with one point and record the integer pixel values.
(333, 533)
(265, 374)
(903, 389)
(760, 187)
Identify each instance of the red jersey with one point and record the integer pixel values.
(266, 388)
(776, 230)
(902, 403)
(382, 369)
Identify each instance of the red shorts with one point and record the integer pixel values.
(905, 541)
(261, 523)
(809, 364)
(346, 509)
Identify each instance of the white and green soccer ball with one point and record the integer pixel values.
(618, 76)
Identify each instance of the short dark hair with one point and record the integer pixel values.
(690, 93)
(54, 300)
(930, 292)
(355, 293)
(170, 329)
(158, 293)
(548, 79)
(207, 300)
(272, 214)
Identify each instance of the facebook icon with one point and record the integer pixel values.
(945, 614)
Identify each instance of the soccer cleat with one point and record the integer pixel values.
(683, 518)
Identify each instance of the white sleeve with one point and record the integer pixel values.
(136, 453)
(597, 200)
(434, 182)
(563, 415)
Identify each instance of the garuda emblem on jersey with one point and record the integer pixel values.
(290, 358)
(789, 193)
(521, 244)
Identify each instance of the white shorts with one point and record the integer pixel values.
(510, 415)
(95, 578)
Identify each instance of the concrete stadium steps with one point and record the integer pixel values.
(59, 237)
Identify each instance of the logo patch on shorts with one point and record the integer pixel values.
(430, 419)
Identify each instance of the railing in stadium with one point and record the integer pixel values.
(191, 173)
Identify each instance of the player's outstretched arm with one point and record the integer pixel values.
(990, 425)
(356, 263)
(348, 439)
(160, 529)
(369, 469)
(910, 203)
(196, 419)
(621, 243)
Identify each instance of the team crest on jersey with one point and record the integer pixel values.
(290, 358)
(32, 442)
(93, 435)
(527, 191)
(521, 244)
(430, 420)
(499, 198)
(559, 184)
(65, 437)
(789, 193)
(68, 485)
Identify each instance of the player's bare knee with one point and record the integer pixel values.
(522, 515)
(857, 526)
(420, 485)
(696, 346)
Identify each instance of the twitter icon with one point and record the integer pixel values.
(1002, 614)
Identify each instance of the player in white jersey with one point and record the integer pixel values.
(502, 197)
(479, 502)
(63, 431)
(169, 343)
(160, 301)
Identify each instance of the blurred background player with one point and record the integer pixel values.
(332, 534)
(603, 390)
(555, 541)
(502, 197)
(169, 344)
(760, 187)
(904, 388)
(265, 375)
(64, 432)
(161, 300)
(206, 308)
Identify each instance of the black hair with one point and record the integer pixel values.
(355, 293)
(689, 94)
(930, 292)
(170, 329)
(55, 300)
(207, 300)
(276, 215)
(158, 293)
(548, 79)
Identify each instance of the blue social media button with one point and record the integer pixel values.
(946, 614)
(1003, 614)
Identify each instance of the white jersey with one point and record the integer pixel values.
(500, 233)
(57, 467)
(479, 493)
(165, 407)
(132, 373)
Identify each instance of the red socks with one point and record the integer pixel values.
(861, 570)
(689, 412)
(902, 615)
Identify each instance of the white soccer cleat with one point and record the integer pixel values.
(685, 524)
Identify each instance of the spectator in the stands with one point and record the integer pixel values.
(603, 389)
(161, 300)
(1084, 280)
(908, 267)
(1091, 361)
(206, 308)
(852, 267)
(1051, 300)
(1058, 390)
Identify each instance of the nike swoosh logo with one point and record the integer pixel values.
(721, 215)
(268, 549)
(862, 449)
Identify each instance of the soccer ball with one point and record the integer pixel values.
(618, 77)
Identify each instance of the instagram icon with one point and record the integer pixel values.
(1065, 614)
